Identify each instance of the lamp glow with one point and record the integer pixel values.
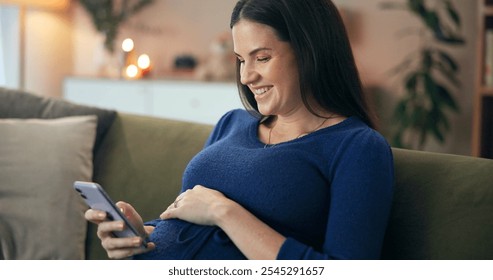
(132, 71)
(45, 4)
(128, 45)
(144, 61)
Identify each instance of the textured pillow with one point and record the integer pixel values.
(41, 216)
(23, 105)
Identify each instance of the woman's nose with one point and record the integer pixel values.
(248, 75)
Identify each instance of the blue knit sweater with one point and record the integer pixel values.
(329, 193)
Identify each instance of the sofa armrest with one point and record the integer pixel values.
(443, 207)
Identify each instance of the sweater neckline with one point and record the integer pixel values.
(254, 127)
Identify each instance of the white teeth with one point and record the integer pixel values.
(260, 91)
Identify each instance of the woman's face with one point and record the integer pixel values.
(268, 67)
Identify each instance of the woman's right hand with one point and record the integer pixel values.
(120, 248)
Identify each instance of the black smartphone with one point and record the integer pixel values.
(97, 199)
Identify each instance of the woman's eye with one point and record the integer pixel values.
(263, 59)
(241, 61)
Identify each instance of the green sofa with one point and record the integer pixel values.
(443, 204)
(442, 209)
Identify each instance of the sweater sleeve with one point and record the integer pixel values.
(360, 202)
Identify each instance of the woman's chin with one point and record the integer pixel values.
(264, 110)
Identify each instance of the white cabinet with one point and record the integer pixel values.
(203, 102)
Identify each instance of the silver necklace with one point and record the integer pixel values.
(269, 145)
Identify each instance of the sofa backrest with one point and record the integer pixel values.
(443, 207)
(143, 158)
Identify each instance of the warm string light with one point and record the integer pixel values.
(128, 45)
(144, 64)
(132, 71)
(134, 68)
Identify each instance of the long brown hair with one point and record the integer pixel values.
(316, 32)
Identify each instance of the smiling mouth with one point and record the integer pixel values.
(260, 91)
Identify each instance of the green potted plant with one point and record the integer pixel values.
(428, 75)
(107, 16)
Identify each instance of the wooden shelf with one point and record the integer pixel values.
(488, 11)
(482, 131)
(486, 91)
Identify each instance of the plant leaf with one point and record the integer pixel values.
(446, 72)
(397, 139)
(448, 60)
(437, 133)
(446, 98)
(417, 6)
(444, 122)
(452, 12)
(411, 82)
(452, 39)
(400, 113)
(433, 125)
(447, 66)
(427, 59)
(432, 21)
(430, 87)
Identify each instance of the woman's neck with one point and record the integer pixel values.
(284, 128)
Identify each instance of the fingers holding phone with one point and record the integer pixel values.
(95, 216)
(120, 247)
(132, 216)
(120, 227)
(116, 247)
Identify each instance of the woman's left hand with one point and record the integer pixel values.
(204, 206)
(198, 205)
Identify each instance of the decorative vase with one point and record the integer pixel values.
(107, 64)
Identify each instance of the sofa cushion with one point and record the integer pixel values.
(41, 216)
(18, 104)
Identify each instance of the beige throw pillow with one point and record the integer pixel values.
(41, 216)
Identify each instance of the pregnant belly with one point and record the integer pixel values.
(180, 240)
